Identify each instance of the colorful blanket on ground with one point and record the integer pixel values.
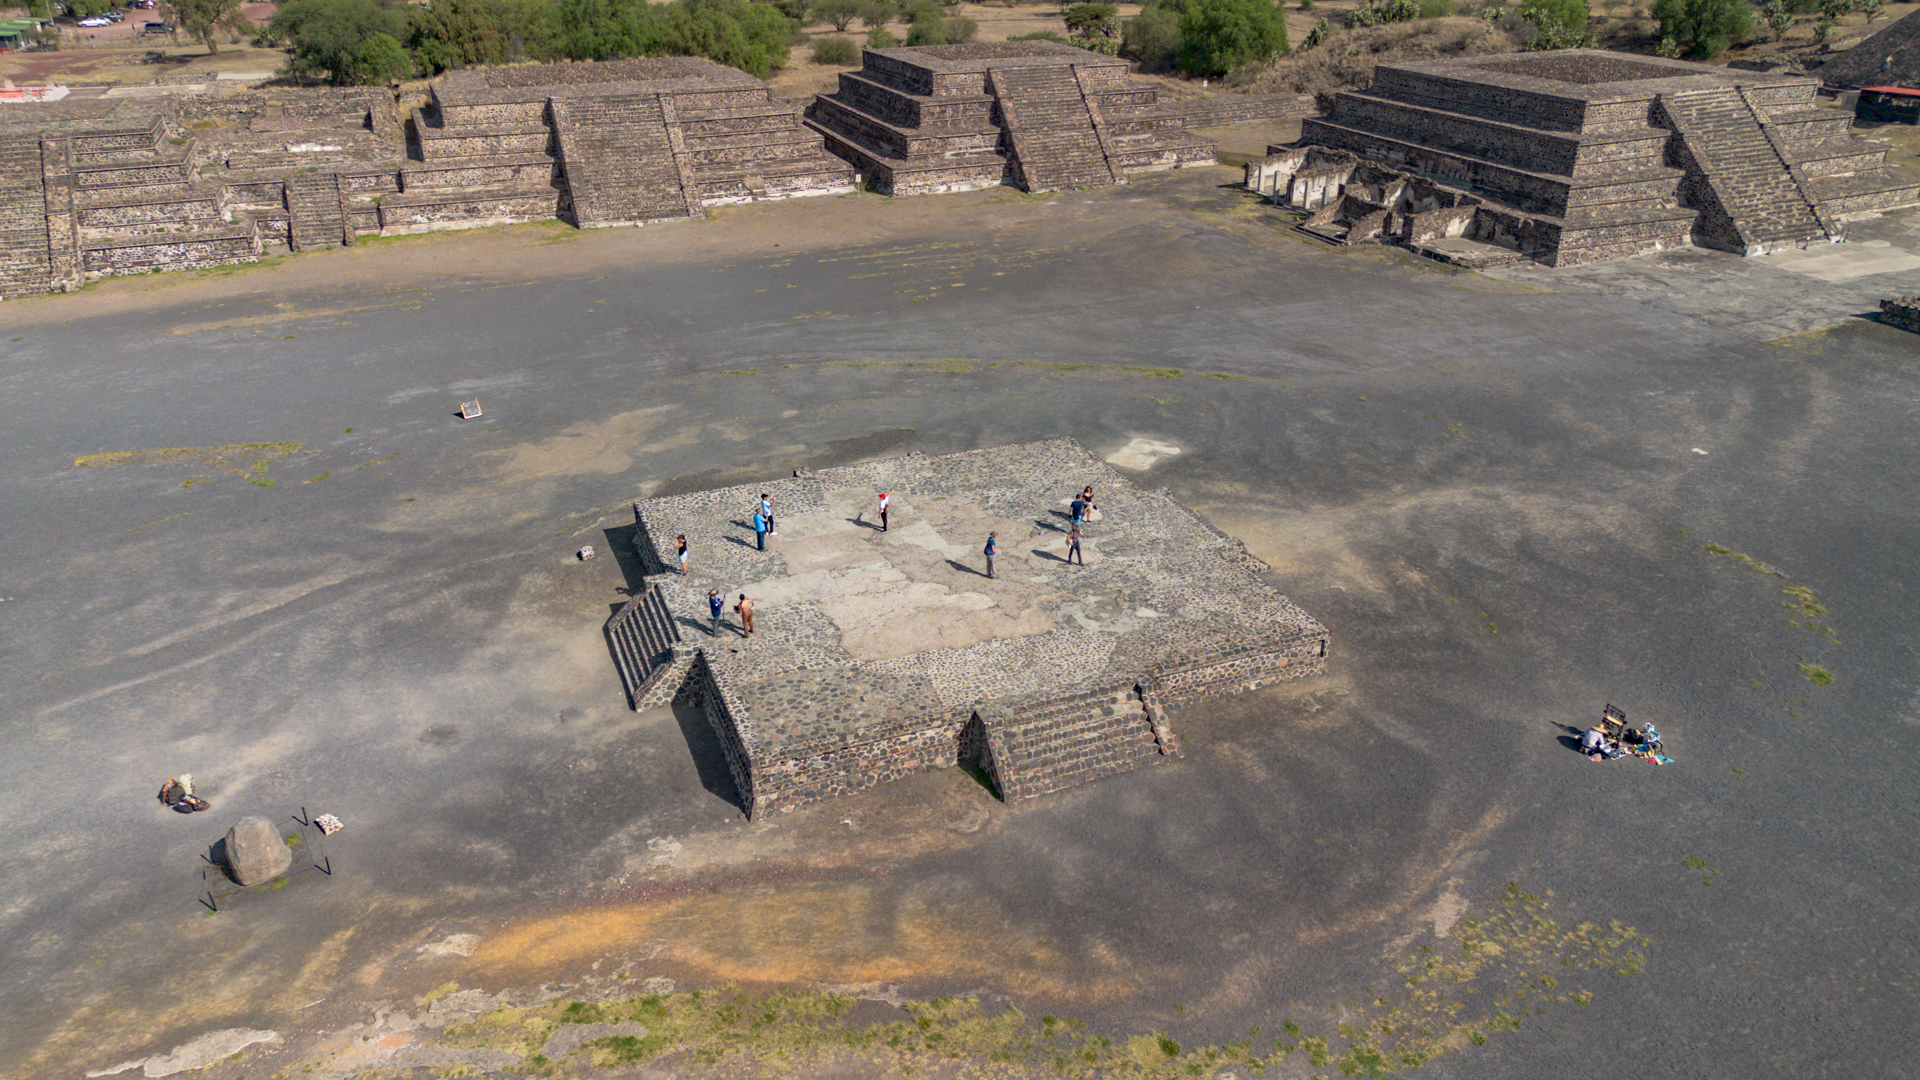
(1655, 759)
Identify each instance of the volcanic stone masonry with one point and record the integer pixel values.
(1581, 156)
(1036, 114)
(114, 185)
(121, 184)
(879, 654)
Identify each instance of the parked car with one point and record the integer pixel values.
(114, 16)
(156, 28)
(96, 20)
(145, 5)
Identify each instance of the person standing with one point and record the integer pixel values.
(1073, 547)
(760, 528)
(744, 609)
(1079, 511)
(766, 509)
(883, 511)
(1086, 496)
(989, 552)
(680, 543)
(714, 603)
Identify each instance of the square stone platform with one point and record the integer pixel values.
(877, 654)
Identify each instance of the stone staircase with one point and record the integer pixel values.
(642, 636)
(1052, 130)
(1048, 746)
(317, 219)
(25, 261)
(624, 159)
(1737, 178)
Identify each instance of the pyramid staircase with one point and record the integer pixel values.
(1736, 175)
(1056, 135)
(318, 219)
(1041, 747)
(624, 158)
(25, 260)
(642, 635)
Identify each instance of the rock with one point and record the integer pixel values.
(255, 852)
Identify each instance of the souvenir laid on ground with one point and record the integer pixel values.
(328, 824)
(586, 553)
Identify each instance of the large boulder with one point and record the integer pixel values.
(255, 852)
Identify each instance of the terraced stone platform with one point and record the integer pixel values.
(878, 654)
(1580, 156)
(1035, 114)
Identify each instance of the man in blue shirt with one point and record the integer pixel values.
(760, 528)
(989, 552)
(714, 603)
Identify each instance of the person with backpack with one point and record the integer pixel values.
(989, 552)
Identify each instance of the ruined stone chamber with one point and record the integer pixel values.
(1035, 114)
(880, 654)
(1581, 156)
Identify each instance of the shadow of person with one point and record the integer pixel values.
(741, 541)
(958, 565)
(708, 759)
(1571, 742)
(1045, 555)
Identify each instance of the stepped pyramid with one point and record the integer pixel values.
(1035, 114)
(1583, 155)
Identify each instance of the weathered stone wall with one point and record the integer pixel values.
(239, 245)
(24, 255)
(1903, 312)
(785, 783)
(1257, 666)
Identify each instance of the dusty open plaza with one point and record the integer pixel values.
(249, 537)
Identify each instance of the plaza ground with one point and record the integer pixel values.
(1511, 500)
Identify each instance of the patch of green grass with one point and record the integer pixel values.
(1223, 376)
(317, 479)
(1707, 873)
(1519, 960)
(1118, 369)
(1816, 674)
(1748, 561)
(742, 371)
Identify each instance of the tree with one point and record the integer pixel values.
(1779, 18)
(1217, 36)
(328, 37)
(1152, 37)
(838, 13)
(1092, 20)
(382, 59)
(875, 14)
(202, 19)
(1703, 29)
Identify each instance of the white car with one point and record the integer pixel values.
(97, 20)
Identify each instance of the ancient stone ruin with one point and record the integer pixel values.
(100, 186)
(1901, 311)
(1036, 114)
(1580, 156)
(880, 654)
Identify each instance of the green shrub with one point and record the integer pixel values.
(1318, 34)
(1218, 36)
(877, 13)
(1054, 36)
(1558, 24)
(882, 38)
(961, 30)
(1436, 9)
(1703, 29)
(839, 52)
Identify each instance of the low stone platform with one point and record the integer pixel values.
(881, 653)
